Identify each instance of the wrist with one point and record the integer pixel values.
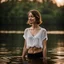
(23, 55)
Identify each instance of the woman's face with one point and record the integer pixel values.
(31, 18)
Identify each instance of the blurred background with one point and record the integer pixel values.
(13, 18)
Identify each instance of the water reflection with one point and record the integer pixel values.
(35, 61)
(58, 53)
(58, 61)
(12, 53)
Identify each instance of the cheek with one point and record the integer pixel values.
(31, 19)
(34, 19)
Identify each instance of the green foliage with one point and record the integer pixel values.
(15, 13)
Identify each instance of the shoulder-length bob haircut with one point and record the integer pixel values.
(37, 16)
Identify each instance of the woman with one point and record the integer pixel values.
(35, 37)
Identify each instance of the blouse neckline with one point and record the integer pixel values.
(36, 33)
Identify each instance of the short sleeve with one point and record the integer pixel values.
(25, 33)
(44, 35)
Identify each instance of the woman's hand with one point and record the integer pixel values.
(45, 60)
(23, 57)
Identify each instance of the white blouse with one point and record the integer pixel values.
(36, 40)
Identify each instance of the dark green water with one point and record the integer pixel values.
(11, 45)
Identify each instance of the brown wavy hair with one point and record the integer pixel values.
(37, 16)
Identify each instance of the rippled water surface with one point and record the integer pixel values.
(10, 53)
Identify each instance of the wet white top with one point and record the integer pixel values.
(36, 40)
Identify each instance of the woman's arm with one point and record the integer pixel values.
(24, 50)
(44, 49)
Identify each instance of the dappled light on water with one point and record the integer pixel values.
(59, 61)
(58, 53)
(20, 32)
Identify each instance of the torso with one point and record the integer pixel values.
(34, 49)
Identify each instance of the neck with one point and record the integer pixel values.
(35, 26)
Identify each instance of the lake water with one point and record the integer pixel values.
(11, 48)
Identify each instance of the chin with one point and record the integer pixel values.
(31, 22)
